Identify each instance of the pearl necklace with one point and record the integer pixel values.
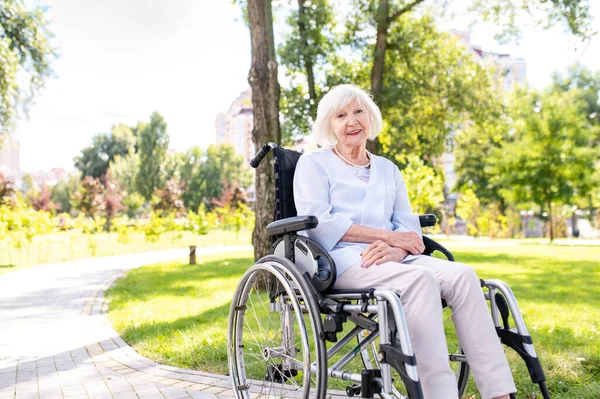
(353, 164)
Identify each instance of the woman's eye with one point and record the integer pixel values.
(358, 111)
(340, 116)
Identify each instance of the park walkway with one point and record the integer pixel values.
(56, 342)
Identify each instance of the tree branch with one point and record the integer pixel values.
(404, 10)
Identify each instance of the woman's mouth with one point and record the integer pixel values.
(354, 132)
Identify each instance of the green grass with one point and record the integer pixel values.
(68, 246)
(177, 314)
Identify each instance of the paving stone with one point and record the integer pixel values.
(72, 390)
(215, 390)
(62, 345)
(202, 395)
(125, 395)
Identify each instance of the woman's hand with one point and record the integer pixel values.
(409, 241)
(379, 252)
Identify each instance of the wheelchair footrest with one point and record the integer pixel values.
(517, 342)
(398, 360)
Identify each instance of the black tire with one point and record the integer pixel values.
(265, 359)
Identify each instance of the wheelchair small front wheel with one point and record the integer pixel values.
(275, 347)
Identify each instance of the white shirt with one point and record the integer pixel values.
(326, 188)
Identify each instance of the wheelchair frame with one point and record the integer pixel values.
(304, 273)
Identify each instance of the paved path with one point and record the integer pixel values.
(56, 342)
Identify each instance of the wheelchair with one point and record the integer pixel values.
(284, 312)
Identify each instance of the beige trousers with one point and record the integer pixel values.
(420, 283)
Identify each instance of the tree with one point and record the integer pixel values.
(587, 84)
(95, 159)
(168, 199)
(425, 186)
(153, 143)
(63, 193)
(124, 171)
(548, 160)
(305, 48)
(207, 175)
(89, 199)
(43, 201)
(24, 51)
(113, 197)
(6, 190)
(474, 151)
(372, 32)
(265, 103)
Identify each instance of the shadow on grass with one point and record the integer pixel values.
(183, 280)
(7, 266)
(210, 317)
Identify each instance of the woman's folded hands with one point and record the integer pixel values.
(379, 252)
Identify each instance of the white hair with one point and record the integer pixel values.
(336, 99)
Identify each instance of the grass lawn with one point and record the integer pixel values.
(177, 314)
(68, 245)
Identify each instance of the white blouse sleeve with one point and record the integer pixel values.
(311, 195)
(403, 219)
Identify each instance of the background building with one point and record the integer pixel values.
(10, 167)
(235, 126)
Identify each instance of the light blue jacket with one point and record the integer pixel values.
(325, 187)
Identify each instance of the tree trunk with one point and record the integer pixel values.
(378, 61)
(308, 64)
(265, 103)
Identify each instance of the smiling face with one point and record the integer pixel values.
(351, 125)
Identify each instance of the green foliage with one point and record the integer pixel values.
(95, 159)
(63, 192)
(123, 171)
(425, 186)
(24, 51)
(154, 227)
(206, 175)
(6, 190)
(133, 204)
(474, 151)
(89, 199)
(432, 87)
(168, 200)
(468, 208)
(508, 16)
(306, 46)
(586, 86)
(197, 222)
(153, 143)
(549, 159)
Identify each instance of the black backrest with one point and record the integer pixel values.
(285, 166)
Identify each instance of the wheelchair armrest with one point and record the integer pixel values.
(431, 246)
(428, 220)
(292, 225)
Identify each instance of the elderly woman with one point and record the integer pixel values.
(366, 225)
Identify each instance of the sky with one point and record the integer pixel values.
(187, 59)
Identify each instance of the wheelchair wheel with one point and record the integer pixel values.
(370, 359)
(275, 347)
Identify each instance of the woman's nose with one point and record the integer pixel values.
(353, 122)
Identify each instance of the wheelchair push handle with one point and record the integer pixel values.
(254, 162)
